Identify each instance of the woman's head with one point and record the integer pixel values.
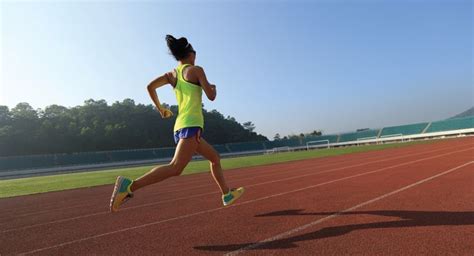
(180, 48)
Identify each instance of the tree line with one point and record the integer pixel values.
(278, 137)
(97, 126)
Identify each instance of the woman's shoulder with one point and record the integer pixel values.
(195, 71)
(172, 77)
(192, 74)
(195, 68)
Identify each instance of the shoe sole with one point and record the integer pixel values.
(114, 194)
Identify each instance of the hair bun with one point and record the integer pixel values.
(170, 40)
(176, 44)
(179, 48)
(182, 42)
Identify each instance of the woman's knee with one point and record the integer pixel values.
(177, 168)
(216, 159)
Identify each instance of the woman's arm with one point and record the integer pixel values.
(208, 88)
(155, 84)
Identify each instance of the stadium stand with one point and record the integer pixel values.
(27, 162)
(246, 146)
(282, 143)
(404, 129)
(164, 152)
(125, 155)
(358, 135)
(222, 149)
(110, 157)
(452, 124)
(331, 138)
(80, 158)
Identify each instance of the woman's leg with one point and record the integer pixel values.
(183, 154)
(208, 152)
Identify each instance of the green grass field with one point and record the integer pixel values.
(34, 185)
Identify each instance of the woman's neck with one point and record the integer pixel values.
(182, 62)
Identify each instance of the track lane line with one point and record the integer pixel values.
(237, 174)
(249, 178)
(170, 188)
(318, 221)
(211, 193)
(239, 204)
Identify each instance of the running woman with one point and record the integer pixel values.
(188, 82)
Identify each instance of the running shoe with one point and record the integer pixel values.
(121, 193)
(233, 195)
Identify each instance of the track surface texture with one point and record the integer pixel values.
(406, 201)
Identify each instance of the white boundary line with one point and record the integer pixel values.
(170, 188)
(235, 205)
(210, 193)
(237, 176)
(308, 225)
(282, 170)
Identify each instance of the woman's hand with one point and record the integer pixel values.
(165, 113)
(214, 92)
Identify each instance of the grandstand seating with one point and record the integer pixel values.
(80, 158)
(246, 146)
(164, 152)
(222, 149)
(47, 161)
(358, 135)
(282, 143)
(331, 138)
(452, 124)
(26, 162)
(131, 155)
(404, 129)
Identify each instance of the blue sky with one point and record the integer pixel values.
(287, 66)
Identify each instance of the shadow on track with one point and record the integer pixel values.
(407, 219)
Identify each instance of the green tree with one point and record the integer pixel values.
(23, 136)
(277, 137)
(249, 126)
(98, 126)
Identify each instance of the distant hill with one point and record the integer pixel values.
(469, 112)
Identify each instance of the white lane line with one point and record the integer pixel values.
(234, 205)
(174, 183)
(203, 194)
(169, 190)
(316, 222)
(281, 170)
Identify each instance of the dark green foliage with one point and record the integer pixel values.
(97, 126)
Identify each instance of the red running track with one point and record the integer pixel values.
(411, 200)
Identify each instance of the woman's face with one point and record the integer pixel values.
(193, 56)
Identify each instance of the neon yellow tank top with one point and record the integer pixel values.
(189, 97)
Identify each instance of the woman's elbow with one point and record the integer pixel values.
(211, 97)
(150, 87)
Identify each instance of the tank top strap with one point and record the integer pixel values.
(179, 71)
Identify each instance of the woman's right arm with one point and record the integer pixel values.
(208, 88)
(155, 84)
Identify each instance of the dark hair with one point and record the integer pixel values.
(179, 48)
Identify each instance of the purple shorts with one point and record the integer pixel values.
(188, 132)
